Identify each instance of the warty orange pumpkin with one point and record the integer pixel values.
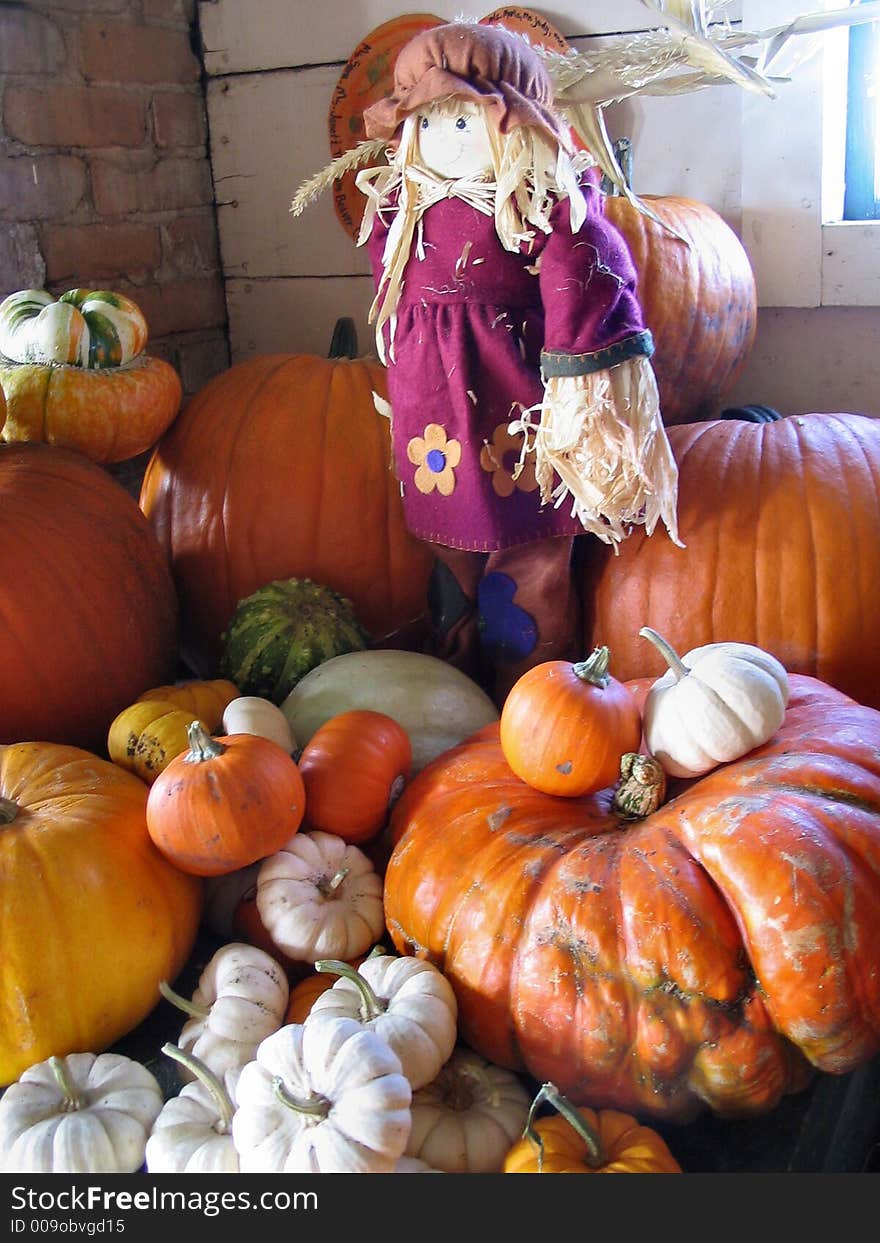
(280, 467)
(706, 955)
(781, 522)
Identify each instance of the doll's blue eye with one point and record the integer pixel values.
(461, 123)
(424, 124)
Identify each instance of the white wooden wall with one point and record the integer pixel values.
(273, 66)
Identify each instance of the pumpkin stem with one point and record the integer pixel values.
(317, 1106)
(205, 1075)
(344, 342)
(477, 1074)
(642, 786)
(328, 886)
(551, 1094)
(595, 668)
(371, 1006)
(8, 810)
(669, 654)
(201, 745)
(188, 1007)
(72, 1099)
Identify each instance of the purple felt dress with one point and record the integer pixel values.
(477, 325)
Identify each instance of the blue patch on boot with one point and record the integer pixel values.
(506, 631)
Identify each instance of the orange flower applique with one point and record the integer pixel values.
(435, 458)
(501, 460)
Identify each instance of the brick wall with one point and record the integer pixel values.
(105, 179)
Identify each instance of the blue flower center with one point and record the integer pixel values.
(436, 460)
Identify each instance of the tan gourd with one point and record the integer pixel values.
(252, 714)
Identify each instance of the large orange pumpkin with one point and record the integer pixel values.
(88, 611)
(782, 526)
(704, 956)
(93, 916)
(698, 297)
(280, 468)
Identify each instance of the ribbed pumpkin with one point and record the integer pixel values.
(75, 374)
(782, 526)
(698, 297)
(280, 468)
(93, 916)
(88, 612)
(703, 956)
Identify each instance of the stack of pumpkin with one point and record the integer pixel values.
(646, 940)
(690, 859)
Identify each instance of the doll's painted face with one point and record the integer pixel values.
(454, 139)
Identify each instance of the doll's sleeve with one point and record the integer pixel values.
(600, 444)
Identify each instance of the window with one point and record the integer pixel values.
(862, 176)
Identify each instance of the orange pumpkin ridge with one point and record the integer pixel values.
(705, 956)
(770, 514)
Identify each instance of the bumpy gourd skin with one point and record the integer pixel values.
(703, 956)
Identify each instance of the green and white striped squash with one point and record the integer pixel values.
(90, 328)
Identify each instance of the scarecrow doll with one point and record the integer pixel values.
(524, 409)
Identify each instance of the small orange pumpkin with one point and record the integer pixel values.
(353, 769)
(587, 1141)
(224, 803)
(564, 726)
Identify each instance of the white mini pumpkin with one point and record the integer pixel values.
(241, 997)
(193, 1132)
(86, 1113)
(713, 705)
(322, 1098)
(466, 1120)
(407, 1001)
(319, 897)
